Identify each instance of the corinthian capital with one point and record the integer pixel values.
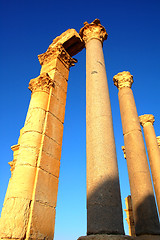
(57, 51)
(146, 118)
(123, 79)
(93, 30)
(41, 83)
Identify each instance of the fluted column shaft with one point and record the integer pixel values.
(147, 121)
(144, 207)
(104, 210)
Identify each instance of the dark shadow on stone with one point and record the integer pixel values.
(146, 219)
(104, 209)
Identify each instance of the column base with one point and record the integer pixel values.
(106, 237)
(119, 237)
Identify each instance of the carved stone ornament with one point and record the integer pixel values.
(158, 141)
(12, 165)
(93, 30)
(123, 79)
(57, 51)
(146, 118)
(41, 83)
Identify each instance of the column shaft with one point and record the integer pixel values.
(144, 208)
(154, 157)
(104, 210)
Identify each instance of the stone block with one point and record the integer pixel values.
(54, 128)
(22, 182)
(52, 148)
(59, 79)
(42, 223)
(62, 69)
(56, 108)
(14, 218)
(46, 188)
(28, 156)
(49, 164)
(49, 66)
(39, 100)
(31, 139)
(35, 120)
(58, 92)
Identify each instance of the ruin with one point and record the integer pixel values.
(29, 206)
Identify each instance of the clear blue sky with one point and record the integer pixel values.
(133, 44)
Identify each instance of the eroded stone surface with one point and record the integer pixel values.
(93, 30)
(42, 222)
(14, 218)
(123, 79)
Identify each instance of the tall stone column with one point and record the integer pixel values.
(104, 210)
(29, 207)
(147, 121)
(129, 213)
(143, 202)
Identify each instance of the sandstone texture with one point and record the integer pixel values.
(30, 202)
(104, 210)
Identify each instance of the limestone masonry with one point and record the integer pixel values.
(30, 203)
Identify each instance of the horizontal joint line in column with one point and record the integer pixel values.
(31, 131)
(43, 134)
(50, 155)
(38, 108)
(47, 172)
(44, 203)
(131, 132)
(55, 117)
(25, 164)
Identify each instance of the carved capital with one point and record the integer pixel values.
(41, 83)
(123, 79)
(57, 51)
(93, 30)
(146, 118)
(124, 151)
(158, 141)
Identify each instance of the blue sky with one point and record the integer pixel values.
(133, 44)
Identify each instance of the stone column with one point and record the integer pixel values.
(29, 210)
(129, 213)
(147, 121)
(143, 202)
(104, 210)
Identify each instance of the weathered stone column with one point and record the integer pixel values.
(29, 210)
(129, 213)
(143, 202)
(104, 210)
(147, 121)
